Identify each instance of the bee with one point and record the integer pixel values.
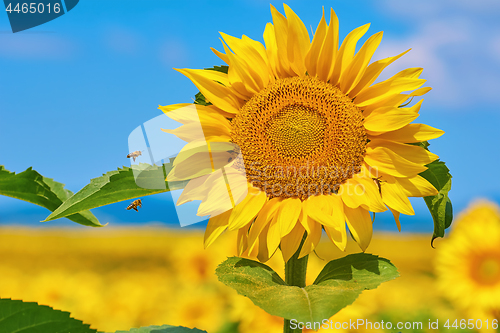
(378, 181)
(234, 155)
(134, 154)
(134, 205)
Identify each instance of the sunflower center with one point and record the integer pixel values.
(296, 131)
(300, 137)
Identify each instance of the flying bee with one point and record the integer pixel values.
(233, 154)
(134, 154)
(135, 204)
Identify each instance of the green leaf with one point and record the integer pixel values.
(19, 316)
(338, 285)
(439, 205)
(32, 187)
(116, 186)
(163, 329)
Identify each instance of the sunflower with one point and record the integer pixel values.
(468, 262)
(319, 144)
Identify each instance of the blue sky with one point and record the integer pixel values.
(73, 89)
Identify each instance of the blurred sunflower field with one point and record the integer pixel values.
(118, 278)
(303, 89)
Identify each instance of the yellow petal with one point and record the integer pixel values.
(371, 191)
(221, 55)
(417, 186)
(396, 218)
(325, 210)
(218, 199)
(337, 210)
(360, 191)
(353, 73)
(328, 54)
(394, 196)
(201, 146)
(412, 153)
(198, 158)
(196, 165)
(242, 239)
(273, 236)
(218, 94)
(386, 161)
(215, 227)
(236, 183)
(194, 190)
(313, 237)
(288, 215)
(337, 233)
(291, 242)
(412, 133)
(264, 254)
(371, 74)
(395, 100)
(386, 88)
(272, 49)
(360, 224)
(346, 52)
(245, 50)
(253, 253)
(265, 216)
(298, 42)
(337, 236)
(303, 218)
(194, 113)
(353, 194)
(240, 75)
(312, 56)
(169, 108)
(257, 46)
(281, 34)
(390, 118)
(246, 210)
(204, 127)
(192, 132)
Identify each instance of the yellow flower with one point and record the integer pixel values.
(468, 262)
(318, 144)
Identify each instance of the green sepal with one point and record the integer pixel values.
(32, 187)
(222, 68)
(423, 144)
(340, 282)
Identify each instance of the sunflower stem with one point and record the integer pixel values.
(295, 275)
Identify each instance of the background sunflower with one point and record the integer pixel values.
(468, 261)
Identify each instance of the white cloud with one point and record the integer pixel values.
(36, 46)
(455, 43)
